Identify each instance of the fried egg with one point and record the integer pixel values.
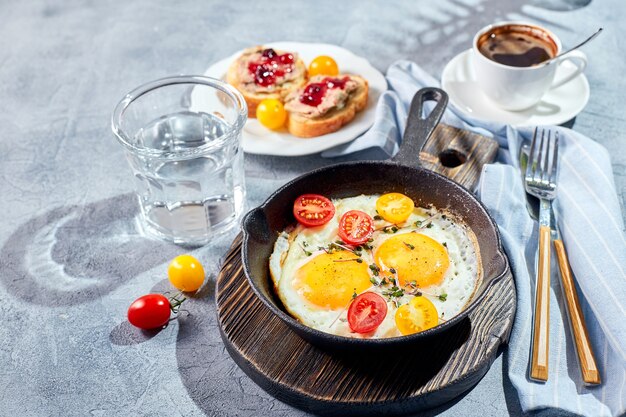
(432, 254)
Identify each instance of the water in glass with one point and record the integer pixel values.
(190, 197)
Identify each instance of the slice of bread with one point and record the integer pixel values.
(254, 94)
(304, 126)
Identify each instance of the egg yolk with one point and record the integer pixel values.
(329, 280)
(415, 257)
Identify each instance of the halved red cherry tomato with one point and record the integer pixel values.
(149, 312)
(366, 312)
(355, 227)
(313, 210)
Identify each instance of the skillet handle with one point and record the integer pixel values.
(418, 129)
(255, 226)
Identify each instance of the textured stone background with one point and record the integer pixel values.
(71, 257)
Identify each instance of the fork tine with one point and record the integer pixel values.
(555, 158)
(540, 178)
(531, 156)
(539, 173)
(545, 174)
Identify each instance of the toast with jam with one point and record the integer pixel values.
(261, 73)
(324, 104)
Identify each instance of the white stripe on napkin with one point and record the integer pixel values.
(591, 191)
(600, 238)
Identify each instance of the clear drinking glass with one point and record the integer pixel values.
(181, 136)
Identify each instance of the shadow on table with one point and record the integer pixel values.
(74, 254)
(570, 123)
(125, 334)
(561, 5)
(205, 368)
(512, 400)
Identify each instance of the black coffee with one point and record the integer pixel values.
(517, 45)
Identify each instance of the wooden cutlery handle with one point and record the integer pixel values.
(541, 326)
(586, 359)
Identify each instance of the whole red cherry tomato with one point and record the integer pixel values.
(149, 311)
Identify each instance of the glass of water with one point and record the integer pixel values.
(181, 136)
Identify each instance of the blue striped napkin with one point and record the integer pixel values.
(590, 220)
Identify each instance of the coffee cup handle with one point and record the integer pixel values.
(579, 59)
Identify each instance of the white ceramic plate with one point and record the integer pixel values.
(257, 139)
(557, 106)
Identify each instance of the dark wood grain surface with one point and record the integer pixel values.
(300, 374)
(369, 383)
(449, 146)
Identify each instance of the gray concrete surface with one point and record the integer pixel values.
(72, 259)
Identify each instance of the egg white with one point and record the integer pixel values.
(297, 246)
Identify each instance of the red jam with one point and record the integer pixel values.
(270, 66)
(314, 93)
(264, 75)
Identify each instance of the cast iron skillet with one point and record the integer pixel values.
(402, 174)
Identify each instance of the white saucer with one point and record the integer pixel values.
(558, 105)
(257, 139)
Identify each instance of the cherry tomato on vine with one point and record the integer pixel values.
(186, 273)
(149, 311)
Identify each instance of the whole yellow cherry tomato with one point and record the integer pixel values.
(271, 113)
(186, 273)
(418, 315)
(323, 65)
(394, 207)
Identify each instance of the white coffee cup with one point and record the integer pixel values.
(519, 88)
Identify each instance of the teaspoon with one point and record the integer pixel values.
(575, 47)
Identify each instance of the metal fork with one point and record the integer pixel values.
(541, 182)
(540, 179)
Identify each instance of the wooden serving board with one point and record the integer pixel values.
(458, 154)
(362, 383)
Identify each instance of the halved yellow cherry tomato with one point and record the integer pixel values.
(418, 315)
(271, 113)
(323, 65)
(186, 273)
(394, 207)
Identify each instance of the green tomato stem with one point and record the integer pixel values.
(176, 302)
